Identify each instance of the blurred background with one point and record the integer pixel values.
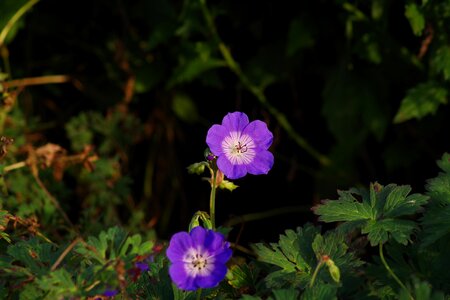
(117, 97)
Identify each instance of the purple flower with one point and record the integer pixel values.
(110, 293)
(241, 147)
(141, 265)
(198, 258)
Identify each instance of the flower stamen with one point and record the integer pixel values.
(241, 148)
(198, 262)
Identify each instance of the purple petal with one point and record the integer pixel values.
(261, 164)
(212, 280)
(260, 134)
(214, 138)
(229, 170)
(181, 279)
(214, 241)
(235, 121)
(110, 293)
(179, 244)
(198, 235)
(141, 265)
(223, 255)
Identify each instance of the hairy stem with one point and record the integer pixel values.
(258, 91)
(388, 268)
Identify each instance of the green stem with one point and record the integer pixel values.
(14, 19)
(388, 268)
(212, 200)
(316, 271)
(258, 91)
(199, 294)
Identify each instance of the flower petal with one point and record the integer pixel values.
(262, 163)
(229, 170)
(198, 235)
(260, 134)
(223, 255)
(214, 138)
(214, 241)
(179, 244)
(212, 280)
(183, 281)
(235, 121)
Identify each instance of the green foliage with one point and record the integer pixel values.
(298, 254)
(421, 101)
(436, 221)
(136, 90)
(87, 269)
(415, 17)
(377, 213)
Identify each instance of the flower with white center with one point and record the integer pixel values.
(198, 258)
(241, 146)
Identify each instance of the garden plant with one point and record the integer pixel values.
(188, 150)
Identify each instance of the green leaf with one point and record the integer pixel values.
(331, 247)
(33, 255)
(184, 108)
(441, 61)
(422, 291)
(399, 204)
(249, 297)
(293, 254)
(58, 284)
(320, 291)
(346, 208)
(285, 294)
(439, 187)
(415, 18)
(114, 243)
(436, 220)
(421, 101)
(4, 220)
(381, 231)
(241, 276)
(299, 37)
(195, 64)
(376, 214)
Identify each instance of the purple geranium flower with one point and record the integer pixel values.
(241, 147)
(198, 258)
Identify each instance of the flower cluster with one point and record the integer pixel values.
(198, 258)
(241, 146)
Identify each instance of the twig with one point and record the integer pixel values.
(15, 166)
(65, 252)
(55, 202)
(35, 81)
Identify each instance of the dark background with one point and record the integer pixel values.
(339, 88)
